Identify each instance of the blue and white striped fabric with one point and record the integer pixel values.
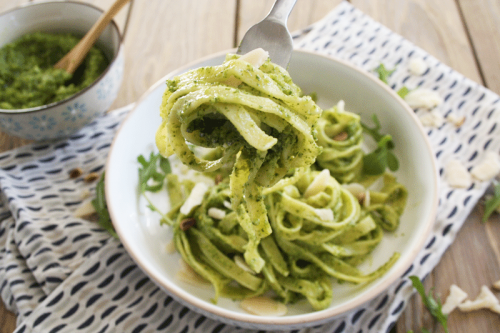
(59, 273)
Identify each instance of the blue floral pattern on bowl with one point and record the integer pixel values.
(74, 112)
(10, 125)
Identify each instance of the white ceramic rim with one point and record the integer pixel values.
(79, 93)
(311, 318)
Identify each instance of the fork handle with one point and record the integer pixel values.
(281, 10)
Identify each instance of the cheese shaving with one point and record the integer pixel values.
(356, 189)
(417, 66)
(256, 58)
(187, 274)
(485, 300)
(488, 168)
(423, 98)
(318, 184)
(457, 175)
(263, 306)
(456, 297)
(456, 120)
(496, 285)
(325, 214)
(216, 213)
(195, 198)
(432, 119)
(84, 209)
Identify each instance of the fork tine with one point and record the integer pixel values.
(272, 34)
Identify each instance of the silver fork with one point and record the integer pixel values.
(272, 34)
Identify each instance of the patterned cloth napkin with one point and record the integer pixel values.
(60, 273)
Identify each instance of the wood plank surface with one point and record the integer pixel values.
(163, 35)
(482, 19)
(434, 26)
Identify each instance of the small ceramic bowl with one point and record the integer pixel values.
(63, 118)
(146, 240)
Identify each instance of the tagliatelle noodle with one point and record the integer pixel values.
(264, 126)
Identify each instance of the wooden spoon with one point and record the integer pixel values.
(74, 58)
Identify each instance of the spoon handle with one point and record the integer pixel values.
(74, 58)
(281, 10)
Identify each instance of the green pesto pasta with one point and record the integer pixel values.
(341, 135)
(281, 216)
(306, 248)
(258, 120)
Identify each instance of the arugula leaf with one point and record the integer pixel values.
(384, 73)
(101, 207)
(150, 178)
(382, 157)
(392, 161)
(375, 163)
(492, 204)
(433, 305)
(375, 131)
(152, 174)
(165, 165)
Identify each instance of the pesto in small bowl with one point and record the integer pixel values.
(28, 78)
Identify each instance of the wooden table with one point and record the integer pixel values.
(464, 34)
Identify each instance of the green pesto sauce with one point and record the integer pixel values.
(27, 76)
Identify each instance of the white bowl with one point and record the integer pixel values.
(63, 118)
(332, 80)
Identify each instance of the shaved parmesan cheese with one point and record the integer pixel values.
(318, 184)
(360, 192)
(325, 214)
(432, 119)
(456, 297)
(227, 204)
(356, 189)
(341, 106)
(456, 120)
(85, 194)
(366, 199)
(496, 285)
(423, 98)
(488, 168)
(417, 66)
(216, 213)
(256, 57)
(485, 300)
(457, 175)
(263, 306)
(195, 198)
(187, 274)
(84, 209)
